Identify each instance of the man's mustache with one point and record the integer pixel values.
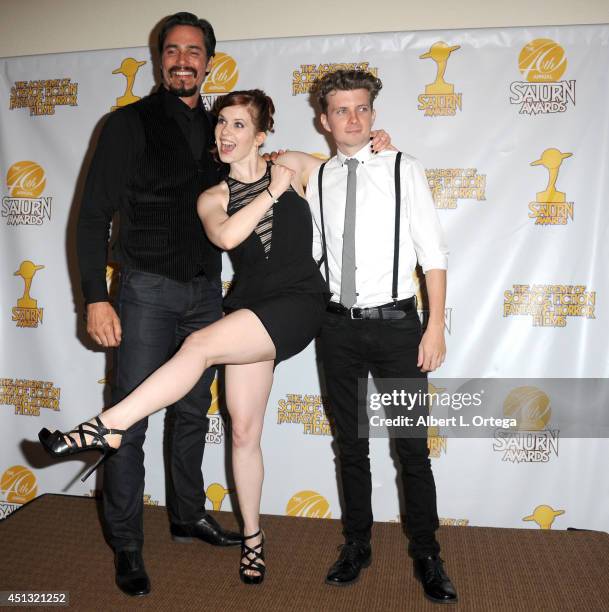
(174, 69)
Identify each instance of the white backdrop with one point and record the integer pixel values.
(478, 108)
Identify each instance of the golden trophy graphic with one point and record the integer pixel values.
(544, 516)
(552, 160)
(112, 276)
(216, 494)
(128, 68)
(214, 405)
(439, 53)
(26, 271)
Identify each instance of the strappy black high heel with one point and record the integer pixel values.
(253, 555)
(60, 444)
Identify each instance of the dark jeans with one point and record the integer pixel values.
(156, 315)
(350, 349)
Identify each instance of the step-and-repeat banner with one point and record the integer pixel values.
(512, 126)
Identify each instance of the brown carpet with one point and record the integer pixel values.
(55, 543)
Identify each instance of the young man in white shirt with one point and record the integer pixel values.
(372, 323)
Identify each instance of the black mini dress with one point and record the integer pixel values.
(276, 276)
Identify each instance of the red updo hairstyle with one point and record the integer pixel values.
(260, 106)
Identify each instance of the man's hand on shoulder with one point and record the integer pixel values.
(103, 324)
(432, 349)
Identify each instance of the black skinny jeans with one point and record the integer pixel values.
(350, 349)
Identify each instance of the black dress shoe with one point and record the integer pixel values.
(206, 529)
(131, 576)
(436, 583)
(353, 557)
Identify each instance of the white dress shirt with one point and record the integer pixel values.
(421, 236)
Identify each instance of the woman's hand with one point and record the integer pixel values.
(273, 155)
(380, 141)
(281, 178)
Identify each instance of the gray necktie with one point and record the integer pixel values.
(347, 277)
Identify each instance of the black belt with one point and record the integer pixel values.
(392, 310)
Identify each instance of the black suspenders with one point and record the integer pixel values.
(324, 257)
(396, 235)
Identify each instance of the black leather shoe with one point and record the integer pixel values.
(131, 576)
(436, 583)
(206, 529)
(354, 556)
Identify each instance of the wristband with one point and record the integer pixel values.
(272, 196)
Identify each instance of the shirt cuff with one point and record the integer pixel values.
(434, 263)
(95, 291)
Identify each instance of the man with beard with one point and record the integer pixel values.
(151, 163)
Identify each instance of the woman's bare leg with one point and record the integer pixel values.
(247, 393)
(238, 338)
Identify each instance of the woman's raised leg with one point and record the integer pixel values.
(238, 338)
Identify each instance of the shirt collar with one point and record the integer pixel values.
(175, 106)
(362, 156)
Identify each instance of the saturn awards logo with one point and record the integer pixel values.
(128, 68)
(550, 206)
(304, 77)
(549, 305)
(29, 396)
(41, 97)
(306, 410)
(25, 204)
(440, 99)
(226, 286)
(215, 433)
(532, 441)
(448, 185)
(436, 443)
(453, 522)
(27, 313)
(544, 516)
(542, 62)
(149, 501)
(18, 486)
(308, 503)
(221, 79)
